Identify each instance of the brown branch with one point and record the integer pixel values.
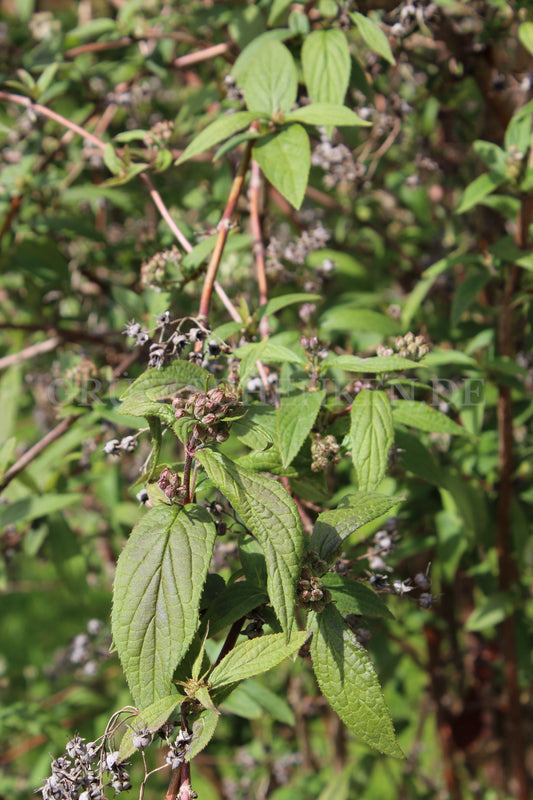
(174, 785)
(231, 640)
(507, 572)
(223, 228)
(202, 55)
(258, 249)
(125, 41)
(30, 352)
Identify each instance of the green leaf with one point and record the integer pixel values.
(276, 11)
(466, 293)
(7, 454)
(375, 365)
(271, 515)
(416, 458)
(492, 612)
(247, 57)
(426, 418)
(251, 433)
(518, 133)
(326, 65)
(234, 142)
(525, 34)
(373, 36)
(285, 159)
(295, 418)
(348, 680)
(29, 508)
(162, 384)
(325, 114)
(353, 597)
(334, 526)
(493, 156)
(234, 602)
(222, 128)
(271, 83)
(204, 248)
(156, 435)
(151, 719)
(158, 584)
(371, 437)
(266, 351)
(138, 405)
(347, 318)
(114, 164)
(276, 707)
(255, 656)
(126, 137)
(479, 188)
(202, 732)
(253, 560)
(277, 303)
(269, 461)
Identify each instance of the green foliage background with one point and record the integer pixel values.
(429, 230)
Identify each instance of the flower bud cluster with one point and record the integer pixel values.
(325, 451)
(78, 774)
(311, 593)
(161, 269)
(408, 346)
(169, 483)
(210, 412)
(233, 93)
(337, 162)
(159, 134)
(114, 447)
(179, 749)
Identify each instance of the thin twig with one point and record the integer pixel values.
(202, 55)
(30, 352)
(223, 228)
(161, 207)
(258, 249)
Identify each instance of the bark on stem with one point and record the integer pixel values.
(223, 229)
(259, 250)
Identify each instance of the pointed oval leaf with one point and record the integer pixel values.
(326, 114)
(373, 36)
(353, 597)
(234, 602)
(255, 656)
(333, 527)
(271, 82)
(202, 732)
(296, 416)
(158, 585)
(371, 437)
(326, 65)
(348, 680)
(476, 191)
(425, 418)
(246, 58)
(222, 128)
(285, 159)
(269, 512)
(376, 364)
(161, 384)
(151, 719)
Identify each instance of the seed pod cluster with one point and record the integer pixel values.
(209, 413)
(311, 593)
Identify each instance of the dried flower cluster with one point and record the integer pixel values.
(208, 414)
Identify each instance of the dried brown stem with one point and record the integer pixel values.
(30, 352)
(223, 228)
(259, 250)
(506, 564)
(202, 55)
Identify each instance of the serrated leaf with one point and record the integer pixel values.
(253, 561)
(326, 114)
(158, 584)
(326, 65)
(271, 515)
(28, 508)
(285, 159)
(478, 189)
(269, 461)
(162, 384)
(222, 128)
(151, 719)
(348, 680)
(234, 602)
(295, 418)
(271, 82)
(493, 156)
(255, 656)
(426, 418)
(138, 405)
(373, 36)
(371, 437)
(333, 527)
(202, 732)
(353, 597)
(251, 433)
(376, 364)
